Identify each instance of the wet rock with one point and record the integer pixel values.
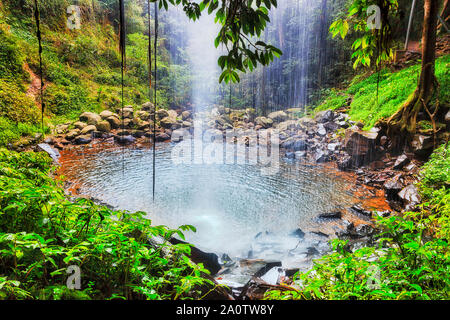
(324, 116)
(300, 155)
(332, 146)
(360, 145)
(209, 260)
(345, 163)
(298, 233)
(278, 116)
(320, 234)
(361, 231)
(143, 115)
(273, 276)
(83, 139)
(311, 251)
(179, 135)
(330, 215)
(258, 267)
(401, 162)
(88, 129)
(138, 133)
(321, 156)
(359, 210)
(62, 128)
(124, 140)
(53, 153)
(90, 118)
(410, 195)
(392, 187)
(321, 130)
(422, 145)
(161, 137)
(331, 126)
(290, 155)
(72, 134)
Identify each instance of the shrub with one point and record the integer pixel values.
(16, 105)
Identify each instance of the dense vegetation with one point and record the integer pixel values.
(42, 234)
(410, 260)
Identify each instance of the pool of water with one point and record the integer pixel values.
(228, 204)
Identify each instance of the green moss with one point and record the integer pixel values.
(394, 90)
(16, 105)
(11, 57)
(334, 100)
(12, 132)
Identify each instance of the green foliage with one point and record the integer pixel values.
(16, 105)
(12, 132)
(411, 258)
(42, 233)
(11, 57)
(394, 90)
(374, 44)
(334, 100)
(65, 100)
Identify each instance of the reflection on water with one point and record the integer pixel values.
(228, 204)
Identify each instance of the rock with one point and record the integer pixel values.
(138, 133)
(105, 114)
(330, 215)
(168, 122)
(332, 146)
(148, 106)
(114, 122)
(290, 155)
(72, 134)
(300, 154)
(410, 195)
(179, 134)
(53, 153)
(298, 233)
(127, 112)
(124, 139)
(359, 210)
(90, 118)
(83, 139)
(321, 130)
(311, 251)
(103, 126)
(299, 145)
(278, 116)
(401, 162)
(392, 187)
(345, 163)
(142, 115)
(161, 137)
(162, 113)
(361, 231)
(88, 129)
(324, 116)
(447, 117)
(422, 145)
(383, 141)
(321, 156)
(185, 115)
(209, 260)
(360, 145)
(172, 114)
(258, 267)
(264, 122)
(331, 126)
(80, 125)
(62, 128)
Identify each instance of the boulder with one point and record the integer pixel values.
(127, 112)
(62, 128)
(90, 118)
(148, 106)
(298, 233)
(83, 139)
(185, 115)
(264, 122)
(330, 215)
(360, 145)
(124, 139)
(321, 156)
(168, 122)
(103, 126)
(105, 114)
(114, 122)
(324, 116)
(401, 162)
(321, 131)
(162, 113)
(392, 187)
(422, 145)
(80, 125)
(72, 134)
(410, 195)
(88, 129)
(142, 115)
(278, 116)
(161, 137)
(53, 153)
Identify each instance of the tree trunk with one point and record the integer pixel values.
(403, 122)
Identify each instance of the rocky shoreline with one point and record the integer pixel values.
(328, 137)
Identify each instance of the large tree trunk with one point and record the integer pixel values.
(403, 123)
